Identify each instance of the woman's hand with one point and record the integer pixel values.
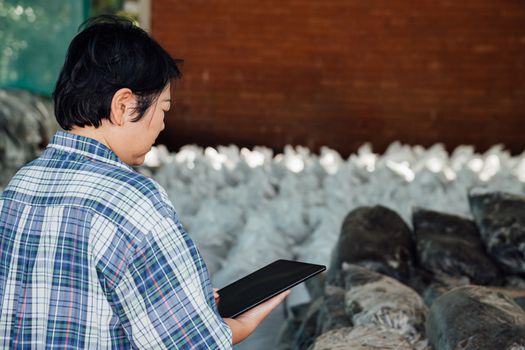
(243, 325)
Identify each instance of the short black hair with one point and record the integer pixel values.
(110, 53)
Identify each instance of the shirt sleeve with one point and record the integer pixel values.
(161, 301)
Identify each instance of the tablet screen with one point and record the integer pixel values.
(263, 284)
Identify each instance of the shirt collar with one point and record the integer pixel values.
(87, 147)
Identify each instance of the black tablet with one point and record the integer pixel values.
(264, 284)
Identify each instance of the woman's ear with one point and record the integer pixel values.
(122, 106)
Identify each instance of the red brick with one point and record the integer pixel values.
(344, 72)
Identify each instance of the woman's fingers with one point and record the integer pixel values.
(216, 295)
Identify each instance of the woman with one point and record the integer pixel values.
(92, 253)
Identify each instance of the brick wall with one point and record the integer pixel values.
(344, 72)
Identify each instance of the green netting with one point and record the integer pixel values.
(34, 35)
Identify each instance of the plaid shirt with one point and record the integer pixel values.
(93, 256)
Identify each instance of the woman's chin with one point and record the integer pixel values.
(136, 161)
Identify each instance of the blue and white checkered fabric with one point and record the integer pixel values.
(93, 256)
